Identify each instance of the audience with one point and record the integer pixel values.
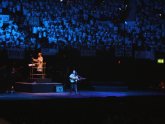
(82, 23)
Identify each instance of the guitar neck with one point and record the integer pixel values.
(81, 78)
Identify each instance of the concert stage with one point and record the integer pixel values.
(81, 94)
(87, 106)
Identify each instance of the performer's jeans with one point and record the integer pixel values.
(74, 87)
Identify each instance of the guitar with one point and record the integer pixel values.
(77, 79)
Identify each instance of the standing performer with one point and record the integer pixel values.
(73, 80)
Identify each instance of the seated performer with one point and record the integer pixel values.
(39, 62)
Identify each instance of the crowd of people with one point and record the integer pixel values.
(148, 28)
(81, 23)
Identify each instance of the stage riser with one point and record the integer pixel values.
(39, 88)
(45, 80)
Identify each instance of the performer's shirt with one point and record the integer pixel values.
(73, 78)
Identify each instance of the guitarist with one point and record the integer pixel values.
(73, 77)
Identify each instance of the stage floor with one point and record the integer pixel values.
(81, 94)
(87, 106)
